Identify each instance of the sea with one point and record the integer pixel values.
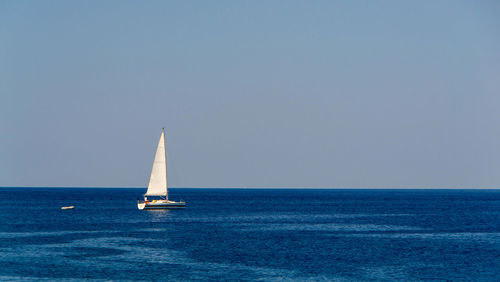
(251, 235)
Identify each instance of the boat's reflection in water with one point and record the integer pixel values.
(159, 214)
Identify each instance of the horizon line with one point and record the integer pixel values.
(319, 188)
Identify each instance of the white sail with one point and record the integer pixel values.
(158, 180)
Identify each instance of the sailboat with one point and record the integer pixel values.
(158, 183)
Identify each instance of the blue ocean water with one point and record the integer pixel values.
(250, 234)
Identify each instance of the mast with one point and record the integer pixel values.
(165, 145)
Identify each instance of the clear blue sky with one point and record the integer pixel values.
(252, 93)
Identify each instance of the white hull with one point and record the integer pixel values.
(161, 205)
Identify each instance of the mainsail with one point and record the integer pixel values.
(158, 180)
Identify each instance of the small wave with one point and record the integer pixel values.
(12, 235)
(331, 227)
(481, 236)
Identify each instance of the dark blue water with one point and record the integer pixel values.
(238, 234)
